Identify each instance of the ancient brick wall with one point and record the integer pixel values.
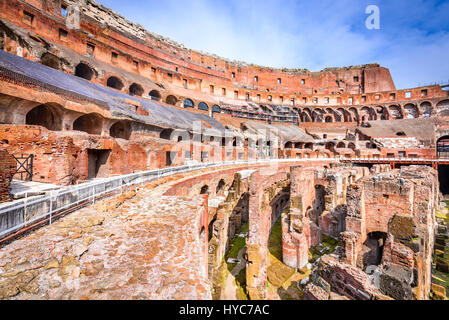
(8, 167)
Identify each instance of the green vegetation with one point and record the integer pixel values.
(439, 277)
(236, 245)
(240, 281)
(275, 240)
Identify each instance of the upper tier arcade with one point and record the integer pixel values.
(90, 29)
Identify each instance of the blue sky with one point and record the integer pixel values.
(413, 39)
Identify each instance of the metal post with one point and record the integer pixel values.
(51, 205)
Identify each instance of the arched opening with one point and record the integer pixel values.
(351, 145)
(443, 170)
(204, 189)
(82, 70)
(171, 100)
(90, 123)
(135, 90)
(50, 60)
(288, 145)
(426, 109)
(411, 111)
(309, 146)
(114, 82)
(156, 96)
(220, 187)
(305, 117)
(44, 116)
(401, 134)
(395, 112)
(443, 105)
(341, 145)
(203, 106)
(216, 109)
(373, 247)
(328, 119)
(166, 134)
(120, 130)
(383, 113)
(329, 145)
(188, 103)
(443, 147)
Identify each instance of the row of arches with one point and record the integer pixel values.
(50, 117)
(188, 103)
(353, 114)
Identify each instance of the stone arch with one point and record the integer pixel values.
(166, 134)
(204, 189)
(188, 103)
(156, 95)
(395, 112)
(351, 145)
(328, 119)
(411, 111)
(83, 70)
(220, 187)
(90, 123)
(367, 114)
(443, 147)
(341, 144)
(355, 114)
(46, 116)
(52, 61)
(309, 146)
(216, 109)
(120, 130)
(443, 105)
(330, 145)
(136, 90)
(203, 106)
(382, 112)
(171, 100)
(115, 83)
(426, 109)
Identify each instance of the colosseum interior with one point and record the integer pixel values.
(132, 167)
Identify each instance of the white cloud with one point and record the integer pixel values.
(303, 34)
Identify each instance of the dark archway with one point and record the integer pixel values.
(82, 70)
(136, 90)
(188, 103)
(204, 190)
(120, 130)
(155, 95)
(90, 123)
(373, 248)
(443, 177)
(43, 116)
(203, 106)
(50, 60)
(443, 147)
(216, 109)
(220, 187)
(114, 82)
(171, 100)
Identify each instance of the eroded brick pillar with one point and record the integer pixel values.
(7, 170)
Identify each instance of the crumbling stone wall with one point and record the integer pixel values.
(317, 206)
(400, 204)
(260, 215)
(7, 169)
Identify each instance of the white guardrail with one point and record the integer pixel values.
(16, 216)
